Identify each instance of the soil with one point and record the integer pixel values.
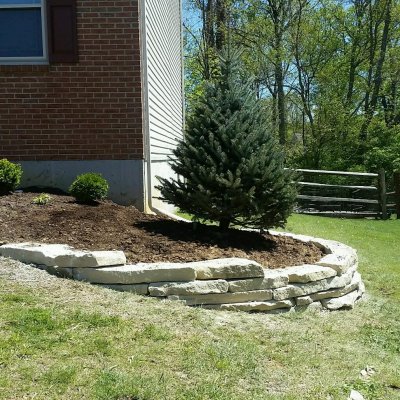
(143, 237)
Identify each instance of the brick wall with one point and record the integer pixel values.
(91, 110)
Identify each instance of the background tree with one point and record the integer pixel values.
(326, 71)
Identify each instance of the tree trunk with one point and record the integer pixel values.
(360, 8)
(377, 82)
(282, 124)
(224, 224)
(221, 23)
(275, 110)
(278, 15)
(389, 103)
(208, 37)
(352, 76)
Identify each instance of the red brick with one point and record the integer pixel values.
(88, 110)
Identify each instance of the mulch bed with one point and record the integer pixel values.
(143, 238)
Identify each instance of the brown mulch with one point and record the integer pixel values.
(143, 238)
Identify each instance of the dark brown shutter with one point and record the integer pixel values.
(61, 30)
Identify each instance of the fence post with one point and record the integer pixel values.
(397, 192)
(382, 193)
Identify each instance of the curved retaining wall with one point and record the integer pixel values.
(332, 283)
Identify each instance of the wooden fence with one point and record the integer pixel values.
(394, 196)
(348, 194)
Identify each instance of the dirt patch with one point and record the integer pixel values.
(143, 238)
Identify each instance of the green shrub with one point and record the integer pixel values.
(10, 176)
(89, 188)
(42, 199)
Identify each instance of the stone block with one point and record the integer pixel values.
(354, 395)
(137, 273)
(60, 272)
(272, 279)
(304, 289)
(314, 306)
(225, 298)
(297, 290)
(275, 278)
(164, 289)
(340, 281)
(300, 238)
(347, 301)
(262, 306)
(61, 255)
(107, 258)
(341, 260)
(309, 273)
(245, 285)
(140, 288)
(291, 291)
(227, 268)
(338, 292)
(303, 301)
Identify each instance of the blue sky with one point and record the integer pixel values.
(190, 17)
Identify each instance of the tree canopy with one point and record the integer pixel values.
(327, 72)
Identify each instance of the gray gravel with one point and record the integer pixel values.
(59, 292)
(28, 274)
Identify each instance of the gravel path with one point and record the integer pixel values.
(22, 273)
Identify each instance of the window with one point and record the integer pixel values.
(22, 32)
(38, 32)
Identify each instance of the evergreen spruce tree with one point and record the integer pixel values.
(229, 167)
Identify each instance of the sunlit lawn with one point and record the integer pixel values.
(377, 242)
(68, 340)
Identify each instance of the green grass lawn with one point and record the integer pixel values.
(61, 339)
(377, 242)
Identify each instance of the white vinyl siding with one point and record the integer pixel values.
(163, 36)
(164, 76)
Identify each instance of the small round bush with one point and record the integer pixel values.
(89, 188)
(10, 176)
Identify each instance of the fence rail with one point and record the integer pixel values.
(348, 194)
(344, 173)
